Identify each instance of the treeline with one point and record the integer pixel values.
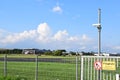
(64, 53)
(35, 51)
(43, 52)
(59, 53)
(11, 51)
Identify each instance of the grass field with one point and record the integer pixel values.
(55, 70)
(46, 70)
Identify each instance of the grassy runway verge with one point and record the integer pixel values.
(46, 70)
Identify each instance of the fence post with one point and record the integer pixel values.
(36, 69)
(76, 67)
(82, 68)
(5, 65)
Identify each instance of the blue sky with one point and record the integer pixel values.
(59, 24)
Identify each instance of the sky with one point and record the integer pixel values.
(59, 24)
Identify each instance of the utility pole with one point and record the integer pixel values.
(98, 25)
(99, 39)
(99, 32)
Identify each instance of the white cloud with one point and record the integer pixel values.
(73, 38)
(17, 37)
(61, 35)
(57, 9)
(43, 33)
(42, 36)
(84, 37)
(43, 30)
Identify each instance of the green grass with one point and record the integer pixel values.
(13, 78)
(51, 70)
(46, 70)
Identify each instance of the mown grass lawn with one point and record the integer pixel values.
(52, 70)
(46, 70)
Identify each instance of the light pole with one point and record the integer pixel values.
(98, 25)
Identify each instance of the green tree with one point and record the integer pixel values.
(48, 53)
(58, 52)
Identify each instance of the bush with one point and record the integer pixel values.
(13, 78)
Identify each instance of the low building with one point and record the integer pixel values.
(34, 51)
(28, 51)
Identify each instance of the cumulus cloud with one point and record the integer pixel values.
(43, 29)
(43, 36)
(43, 33)
(61, 35)
(17, 37)
(57, 9)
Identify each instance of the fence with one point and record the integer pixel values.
(33, 67)
(40, 68)
(107, 68)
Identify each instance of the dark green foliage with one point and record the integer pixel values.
(72, 53)
(58, 52)
(10, 51)
(88, 53)
(48, 53)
